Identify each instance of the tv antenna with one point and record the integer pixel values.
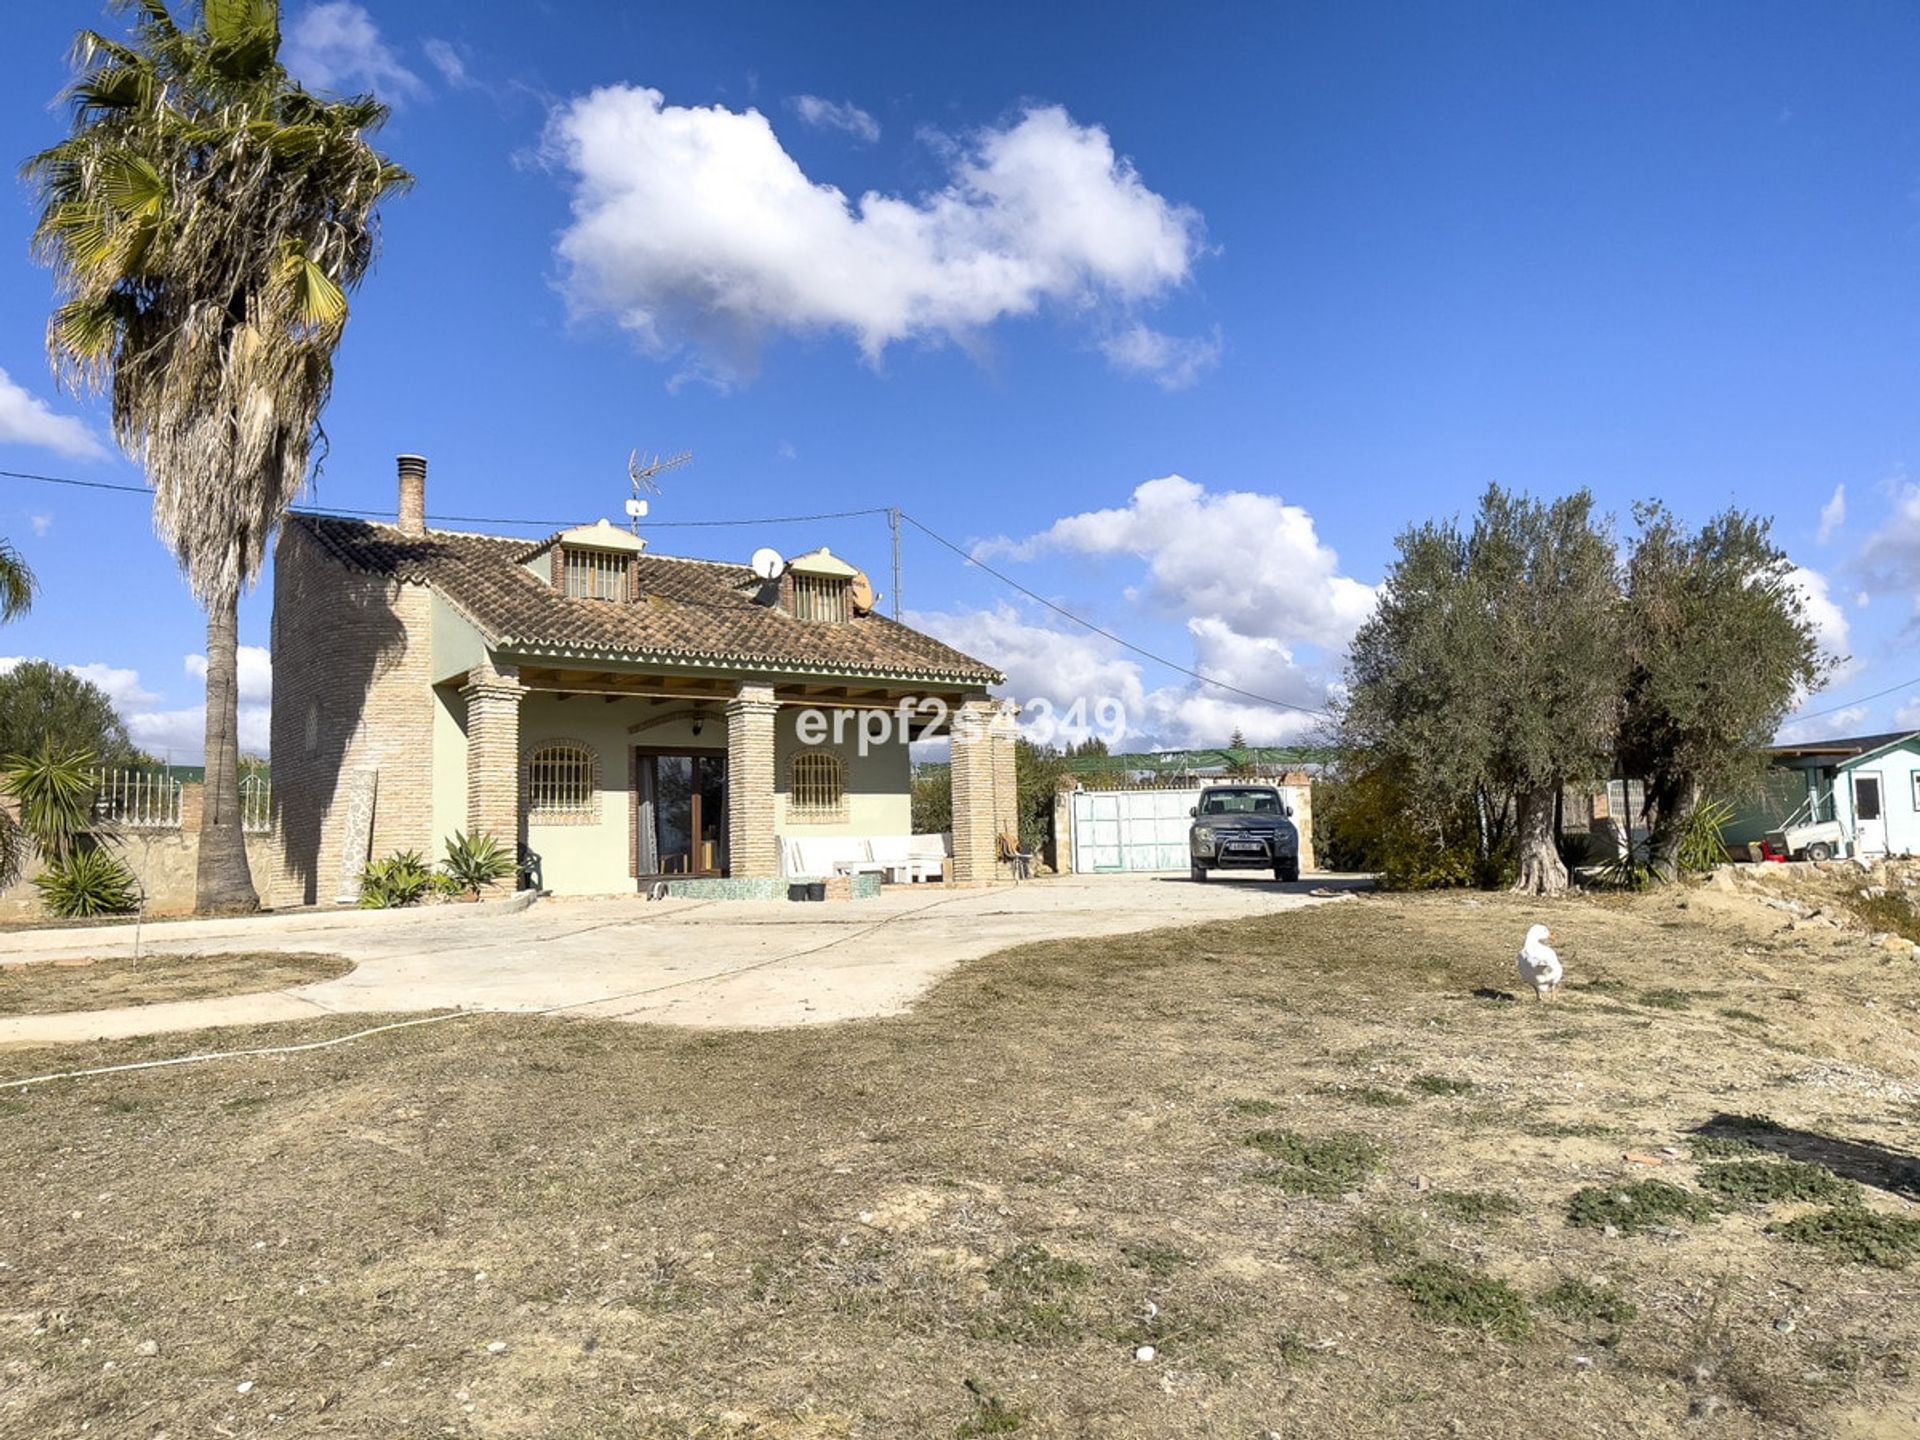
(640, 470)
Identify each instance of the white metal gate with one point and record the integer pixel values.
(1119, 830)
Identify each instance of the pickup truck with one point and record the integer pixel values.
(1243, 827)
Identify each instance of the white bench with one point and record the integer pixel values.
(897, 858)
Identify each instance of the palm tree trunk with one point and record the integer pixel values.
(222, 884)
(1541, 870)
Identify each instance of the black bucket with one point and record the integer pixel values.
(807, 890)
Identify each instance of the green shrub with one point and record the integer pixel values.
(1577, 1300)
(476, 862)
(1633, 1207)
(54, 793)
(90, 881)
(1474, 1206)
(1702, 845)
(1850, 1232)
(1326, 1168)
(1769, 1182)
(401, 879)
(1455, 1296)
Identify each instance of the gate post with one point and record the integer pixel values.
(1063, 793)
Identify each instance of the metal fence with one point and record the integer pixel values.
(256, 802)
(137, 800)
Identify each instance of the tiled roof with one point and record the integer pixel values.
(688, 610)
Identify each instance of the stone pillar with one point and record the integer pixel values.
(753, 850)
(984, 787)
(493, 752)
(1063, 793)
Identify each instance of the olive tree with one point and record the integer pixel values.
(1719, 649)
(1493, 668)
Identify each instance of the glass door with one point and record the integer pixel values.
(682, 812)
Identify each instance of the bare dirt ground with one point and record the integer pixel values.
(89, 984)
(1322, 1163)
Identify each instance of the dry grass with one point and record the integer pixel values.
(43, 989)
(964, 1221)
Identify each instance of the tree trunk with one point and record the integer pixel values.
(1541, 869)
(1669, 830)
(222, 884)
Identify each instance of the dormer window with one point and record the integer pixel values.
(823, 588)
(596, 575)
(822, 597)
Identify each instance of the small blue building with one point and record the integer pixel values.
(1876, 798)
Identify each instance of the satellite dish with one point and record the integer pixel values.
(862, 594)
(636, 509)
(767, 563)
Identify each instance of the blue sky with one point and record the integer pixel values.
(1305, 274)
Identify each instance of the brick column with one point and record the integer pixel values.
(984, 788)
(493, 752)
(753, 850)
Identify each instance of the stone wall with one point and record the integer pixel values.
(164, 861)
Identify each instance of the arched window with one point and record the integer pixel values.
(818, 790)
(560, 782)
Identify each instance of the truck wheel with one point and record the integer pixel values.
(1199, 871)
(1287, 874)
(1819, 850)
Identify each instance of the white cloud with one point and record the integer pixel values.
(1171, 361)
(1251, 561)
(1273, 623)
(336, 47)
(1833, 514)
(123, 686)
(26, 419)
(446, 59)
(41, 523)
(1889, 561)
(1907, 717)
(1823, 727)
(693, 226)
(256, 673)
(837, 115)
(1830, 626)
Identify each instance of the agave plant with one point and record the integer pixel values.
(1702, 843)
(476, 862)
(403, 878)
(90, 881)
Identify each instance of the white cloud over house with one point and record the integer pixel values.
(1833, 514)
(26, 419)
(1889, 559)
(693, 226)
(1263, 601)
(336, 47)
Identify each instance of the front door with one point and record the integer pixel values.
(1869, 817)
(680, 814)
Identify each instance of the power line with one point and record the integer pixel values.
(1860, 700)
(473, 519)
(1108, 634)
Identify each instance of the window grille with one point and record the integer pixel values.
(595, 575)
(820, 597)
(559, 781)
(819, 788)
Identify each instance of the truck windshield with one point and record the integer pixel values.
(1240, 802)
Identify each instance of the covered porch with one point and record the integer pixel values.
(619, 777)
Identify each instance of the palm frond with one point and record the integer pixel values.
(17, 585)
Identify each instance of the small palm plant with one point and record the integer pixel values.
(54, 794)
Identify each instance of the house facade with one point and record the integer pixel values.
(623, 715)
(1876, 798)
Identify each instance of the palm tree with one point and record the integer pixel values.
(204, 221)
(16, 598)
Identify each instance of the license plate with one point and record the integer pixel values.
(1247, 849)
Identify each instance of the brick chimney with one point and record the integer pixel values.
(413, 494)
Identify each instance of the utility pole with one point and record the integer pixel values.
(893, 523)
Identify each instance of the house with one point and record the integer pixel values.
(624, 715)
(1810, 781)
(1876, 798)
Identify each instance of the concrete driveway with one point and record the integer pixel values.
(674, 962)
